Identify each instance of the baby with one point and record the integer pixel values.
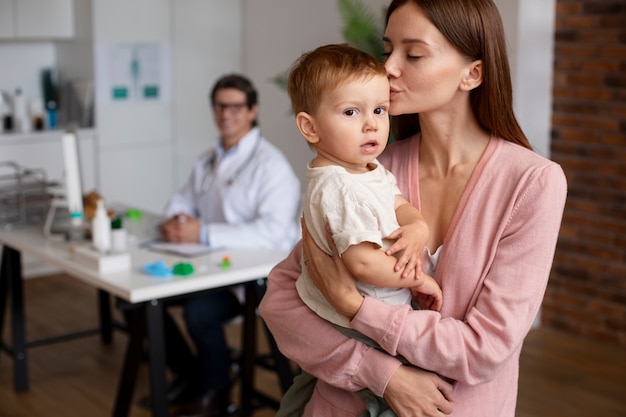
(340, 97)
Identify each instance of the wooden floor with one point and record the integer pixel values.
(561, 375)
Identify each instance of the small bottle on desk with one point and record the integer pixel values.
(76, 232)
(101, 229)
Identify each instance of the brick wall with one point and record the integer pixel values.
(587, 290)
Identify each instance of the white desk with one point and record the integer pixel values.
(140, 289)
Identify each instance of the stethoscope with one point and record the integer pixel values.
(211, 164)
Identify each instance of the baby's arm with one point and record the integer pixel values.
(370, 264)
(376, 267)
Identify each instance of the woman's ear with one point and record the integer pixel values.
(306, 126)
(474, 76)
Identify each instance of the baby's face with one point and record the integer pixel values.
(353, 123)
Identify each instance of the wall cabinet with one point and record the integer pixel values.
(36, 19)
(6, 18)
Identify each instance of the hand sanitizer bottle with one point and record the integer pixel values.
(76, 232)
(101, 229)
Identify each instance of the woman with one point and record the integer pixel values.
(493, 208)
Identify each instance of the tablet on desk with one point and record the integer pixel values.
(188, 250)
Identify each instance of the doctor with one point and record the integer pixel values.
(241, 193)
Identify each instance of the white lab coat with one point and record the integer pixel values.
(246, 197)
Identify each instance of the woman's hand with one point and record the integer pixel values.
(181, 228)
(330, 275)
(413, 392)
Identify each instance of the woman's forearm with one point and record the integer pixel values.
(313, 342)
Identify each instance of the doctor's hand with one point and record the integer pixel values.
(181, 228)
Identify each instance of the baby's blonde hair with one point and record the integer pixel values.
(323, 69)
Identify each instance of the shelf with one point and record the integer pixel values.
(43, 136)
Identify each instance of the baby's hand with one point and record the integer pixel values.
(409, 243)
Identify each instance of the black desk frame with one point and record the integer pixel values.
(11, 286)
(147, 324)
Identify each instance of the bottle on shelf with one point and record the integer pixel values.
(101, 229)
(20, 112)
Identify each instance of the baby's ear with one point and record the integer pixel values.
(306, 126)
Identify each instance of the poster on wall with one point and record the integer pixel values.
(133, 72)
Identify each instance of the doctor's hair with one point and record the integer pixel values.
(237, 82)
(323, 69)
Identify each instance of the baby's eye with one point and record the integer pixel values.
(350, 112)
(380, 110)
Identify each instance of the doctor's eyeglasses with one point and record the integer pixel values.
(234, 108)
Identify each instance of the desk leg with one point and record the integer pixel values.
(106, 323)
(134, 354)
(12, 275)
(249, 349)
(4, 295)
(156, 350)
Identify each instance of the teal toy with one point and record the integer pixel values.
(158, 269)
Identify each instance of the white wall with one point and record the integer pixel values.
(21, 66)
(134, 137)
(207, 43)
(147, 148)
(529, 26)
(276, 33)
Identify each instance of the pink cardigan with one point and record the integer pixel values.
(493, 271)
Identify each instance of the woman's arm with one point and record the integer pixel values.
(314, 343)
(327, 354)
(474, 346)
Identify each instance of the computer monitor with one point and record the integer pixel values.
(72, 183)
(71, 197)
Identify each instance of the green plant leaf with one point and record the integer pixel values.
(361, 27)
(280, 80)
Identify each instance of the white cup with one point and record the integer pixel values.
(119, 238)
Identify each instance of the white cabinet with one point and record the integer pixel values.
(36, 19)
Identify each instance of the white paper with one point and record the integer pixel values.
(182, 249)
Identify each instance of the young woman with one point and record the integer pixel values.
(493, 208)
